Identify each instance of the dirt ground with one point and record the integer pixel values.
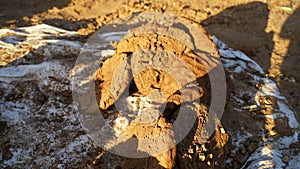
(267, 31)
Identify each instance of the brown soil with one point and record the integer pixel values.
(136, 50)
(267, 31)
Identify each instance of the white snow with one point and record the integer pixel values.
(286, 141)
(23, 70)
(115, 36)
(265, 157)
(11, 40)
(27, 133)
(14, 112)
(238, 69)
(293, 123)
(120, 124)
(19, 42)
(270, 153)
(14, 159)
(105, 53)
(294, 162)
(238, 137)
(35, 71)
(269, 88)
(236, 56)
(63, 43)
(48, 30)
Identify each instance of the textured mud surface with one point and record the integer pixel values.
(39, 126)
(163, 103)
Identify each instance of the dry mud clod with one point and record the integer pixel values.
(165, 60)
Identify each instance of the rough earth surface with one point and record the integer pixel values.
(39, 126)
(265, 30)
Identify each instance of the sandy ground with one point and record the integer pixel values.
(267, 31)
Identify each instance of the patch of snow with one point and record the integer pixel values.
(120, 124)
(112, 34)
(253, 65)
(238, 138)
(241, 64)
(47, 29)
(220, 45)
(236, 56)
(15, 113)
(229, 160)
(228, 63)
(294, 162)
(64, 43)
(39, 129)
(74, 149)
(23, 70)
(105, 53)
(39, 71)
(20, 42)
(238, 69)
(269, 88)
(256, 78)
(237, 99)
(265, 157)
(115, 36)
(11, 40)
(76, 144)
(12, 117)
(293, 123)
(270, 154)
(19, 156)
(286, 141)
